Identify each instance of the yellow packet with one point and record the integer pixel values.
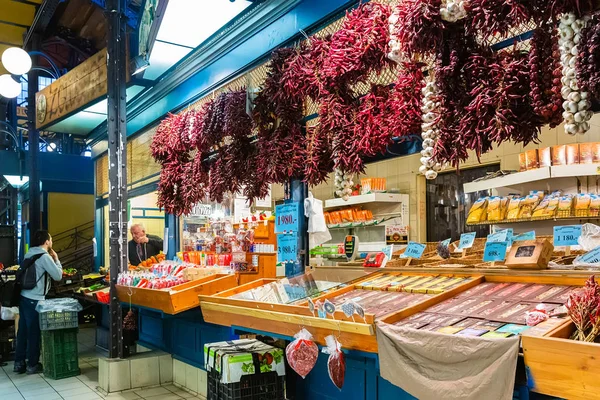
(540, 210)
(528, 205)
(513, 208)
(564, 204)
(477, 213)
(595, 206)
(494, 212)
(552, 207)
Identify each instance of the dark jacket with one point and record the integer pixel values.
(152, 248)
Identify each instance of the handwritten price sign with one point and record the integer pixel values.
(466, 240)
(495, 251)
(413, 250)
(567, 235)
(524, 236)
(287, 248)
(591, 257)
(287, 217)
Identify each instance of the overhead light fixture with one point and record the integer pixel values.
(16, 61)
(51, 146)
(16, 180)
(9, 88)
(139, 64)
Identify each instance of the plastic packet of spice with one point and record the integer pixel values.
(336, 363)
(302, 353)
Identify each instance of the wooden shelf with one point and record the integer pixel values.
(368, 198)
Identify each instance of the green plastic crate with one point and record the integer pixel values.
(60, 356)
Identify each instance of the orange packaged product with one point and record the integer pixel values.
(586, 153)
(596, 152)
(522, 162)
(327, 220)
(572, 154)
(545, 156)
(559, 155)
(532, 160)
(335, 218)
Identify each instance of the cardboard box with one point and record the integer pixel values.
(572, 154)
(530, 254)
(586, 153)
(596, 152)
(545, 156)
(532, 159)
(559, 155)
(522, 162)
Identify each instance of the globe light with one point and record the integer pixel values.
(16, 61)
(9, 88)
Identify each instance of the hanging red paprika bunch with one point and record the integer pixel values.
(545, 74)
(360, 46)
(171, 187)
(303, 73)
(195, 181)
(418, 27)
(283, 156)
(404, 117)
(496, 17)
(172, 137)
(371, 129)
(318, 163)
(588, 61)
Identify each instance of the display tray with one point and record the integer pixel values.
(496, 307)
(177, 298)
(381, 294)
(560, 367)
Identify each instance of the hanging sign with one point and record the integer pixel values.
(287, 248)
(413, 250)
(495, 251)
(524, 236)
(287, 218)
(591, 257)
(466, 240)
(567, 235)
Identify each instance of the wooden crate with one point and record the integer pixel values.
(288, 319)
(561, 367)
(178, 298)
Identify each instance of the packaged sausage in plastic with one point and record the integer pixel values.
(336, 364)
(302, 353)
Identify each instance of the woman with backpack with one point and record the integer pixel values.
(45, 261)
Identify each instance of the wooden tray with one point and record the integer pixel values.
(287, 319)
(179, 298)
(561, 367)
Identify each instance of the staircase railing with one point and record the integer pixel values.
(75, 247)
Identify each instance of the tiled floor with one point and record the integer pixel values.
(82, 387)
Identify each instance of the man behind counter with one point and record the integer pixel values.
(142, 246)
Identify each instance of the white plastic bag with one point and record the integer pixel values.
(9, 313)
(590, 237)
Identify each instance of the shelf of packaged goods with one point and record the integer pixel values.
(177, 298)
(557, 219)
(508, 180)
(574, 170)
(366, 199)
(354, 333)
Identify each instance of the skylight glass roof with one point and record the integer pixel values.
(184, 26)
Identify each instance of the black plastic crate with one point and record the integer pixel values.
(263, 386)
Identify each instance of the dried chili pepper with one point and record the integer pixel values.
(419, 27)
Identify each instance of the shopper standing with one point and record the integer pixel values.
(46, 266)
(142, 246)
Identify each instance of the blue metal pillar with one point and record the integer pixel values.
(99, 236)
(172, 224)
(299, 192)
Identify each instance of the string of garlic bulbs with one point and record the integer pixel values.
(343, 184)
(576, 105)
(395, 53)
(430, 132)
(453, 11)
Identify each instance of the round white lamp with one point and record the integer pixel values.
(9, 88)
(16, 61)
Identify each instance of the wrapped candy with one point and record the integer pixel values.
(336, 363)
(538, 315)
(302, 353)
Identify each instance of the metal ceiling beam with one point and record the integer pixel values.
(42, 18)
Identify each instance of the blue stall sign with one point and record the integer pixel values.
(446, 242)
(524, 236)
(287, 218)
(567, 235)
(287, 248)
(495, 251)
(500, 236)
(413, 250)
(591, 257)
(466, 240)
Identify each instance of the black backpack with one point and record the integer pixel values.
(25, 279)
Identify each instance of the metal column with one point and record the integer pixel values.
(117, 164)
(34, 141)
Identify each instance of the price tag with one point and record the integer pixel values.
(388, 251)
(446, 242)
(524, 236)
(413, 250)
(591, 257)
(495, 251)
(500, 236)
(287, 248)
(466, 240)
(286, 218)
(567, 235)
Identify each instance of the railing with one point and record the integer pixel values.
(75, 247)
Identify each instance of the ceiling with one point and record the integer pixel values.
(15, 18)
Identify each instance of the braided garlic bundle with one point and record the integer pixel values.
(430, 132)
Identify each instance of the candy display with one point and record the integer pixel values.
(164, 275)
(302, 353)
